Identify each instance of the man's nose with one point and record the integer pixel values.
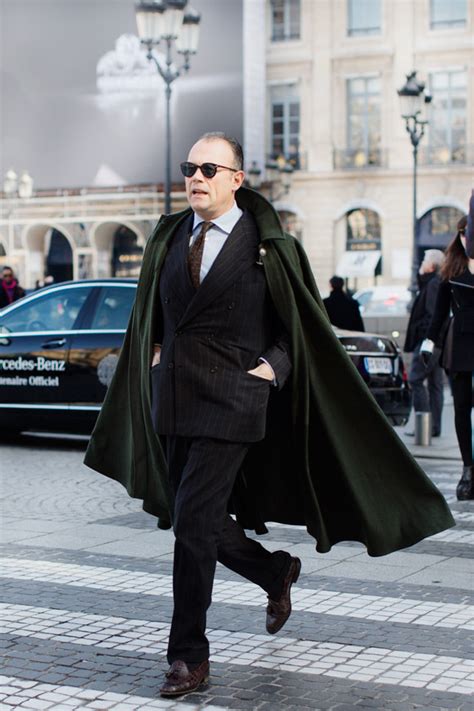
(199, 174)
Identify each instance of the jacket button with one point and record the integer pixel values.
(213, 370)
(178, 333)
(166, 299)
(170, 366)
(230, 307)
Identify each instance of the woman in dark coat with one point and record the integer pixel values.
(456, 293)
(10, 290)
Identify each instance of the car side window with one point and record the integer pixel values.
(57, 311)
(113, 309)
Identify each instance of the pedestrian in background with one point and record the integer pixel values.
(426, 399)
(342, 309)
(10, 290)
(456, 293)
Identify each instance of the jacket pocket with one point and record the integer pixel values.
(258, 378)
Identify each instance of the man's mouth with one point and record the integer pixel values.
(196, 191)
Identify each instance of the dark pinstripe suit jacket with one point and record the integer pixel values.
(211, 337)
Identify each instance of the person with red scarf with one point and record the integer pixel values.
(10, 290)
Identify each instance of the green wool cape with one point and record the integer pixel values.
(329, 460)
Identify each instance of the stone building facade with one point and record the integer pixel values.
(320, 84)
(320, 81)
(79, 234)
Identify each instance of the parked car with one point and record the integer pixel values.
(380, 364)
(59, 347)
(58, 350)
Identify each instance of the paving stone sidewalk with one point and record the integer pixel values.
(86, 605)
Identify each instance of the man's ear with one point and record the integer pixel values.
(238, 179)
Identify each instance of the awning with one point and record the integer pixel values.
(358, 263)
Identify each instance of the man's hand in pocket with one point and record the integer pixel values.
(262, 371)
(156, 356)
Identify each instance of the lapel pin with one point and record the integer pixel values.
(262, 253)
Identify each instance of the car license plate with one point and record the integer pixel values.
(376, 366)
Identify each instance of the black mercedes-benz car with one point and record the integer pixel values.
(59, 347)
(380, 364)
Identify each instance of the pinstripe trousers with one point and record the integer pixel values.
(202, 473)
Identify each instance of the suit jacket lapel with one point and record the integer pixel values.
(238, 254)
(181, 285)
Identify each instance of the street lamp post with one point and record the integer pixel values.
(166, 21)
(412, 101)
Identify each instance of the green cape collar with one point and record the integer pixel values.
(265, 215)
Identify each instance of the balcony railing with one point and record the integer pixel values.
(298, 161)
(279, 34)
(359, 158)
(446, 155)
(83, 205)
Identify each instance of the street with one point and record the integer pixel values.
(86, 603)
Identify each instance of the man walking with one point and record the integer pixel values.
(343, 310)
(10, 290)
(425, 399)
(245, 354)
(240, 413)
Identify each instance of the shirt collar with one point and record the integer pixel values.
(225, 222)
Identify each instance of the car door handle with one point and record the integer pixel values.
(54, 343)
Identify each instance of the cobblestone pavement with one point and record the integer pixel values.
(86, 606)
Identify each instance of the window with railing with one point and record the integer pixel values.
(285, 123)
(447, 118)
(448, 14)
(285, 20)
(363, 124)
(364, 17)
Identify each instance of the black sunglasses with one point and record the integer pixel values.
(207, 169)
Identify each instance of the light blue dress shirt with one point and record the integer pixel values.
(214, 241)
(215, 237)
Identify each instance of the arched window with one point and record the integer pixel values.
(363, 230)
(59, 257)
(127, 255)
(437, 227)
(363, 237)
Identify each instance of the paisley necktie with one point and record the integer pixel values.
(195, 255)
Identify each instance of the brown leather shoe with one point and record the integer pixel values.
(279, 611)
(179, 680)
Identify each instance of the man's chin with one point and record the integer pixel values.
(199, 199)
(199, 203)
